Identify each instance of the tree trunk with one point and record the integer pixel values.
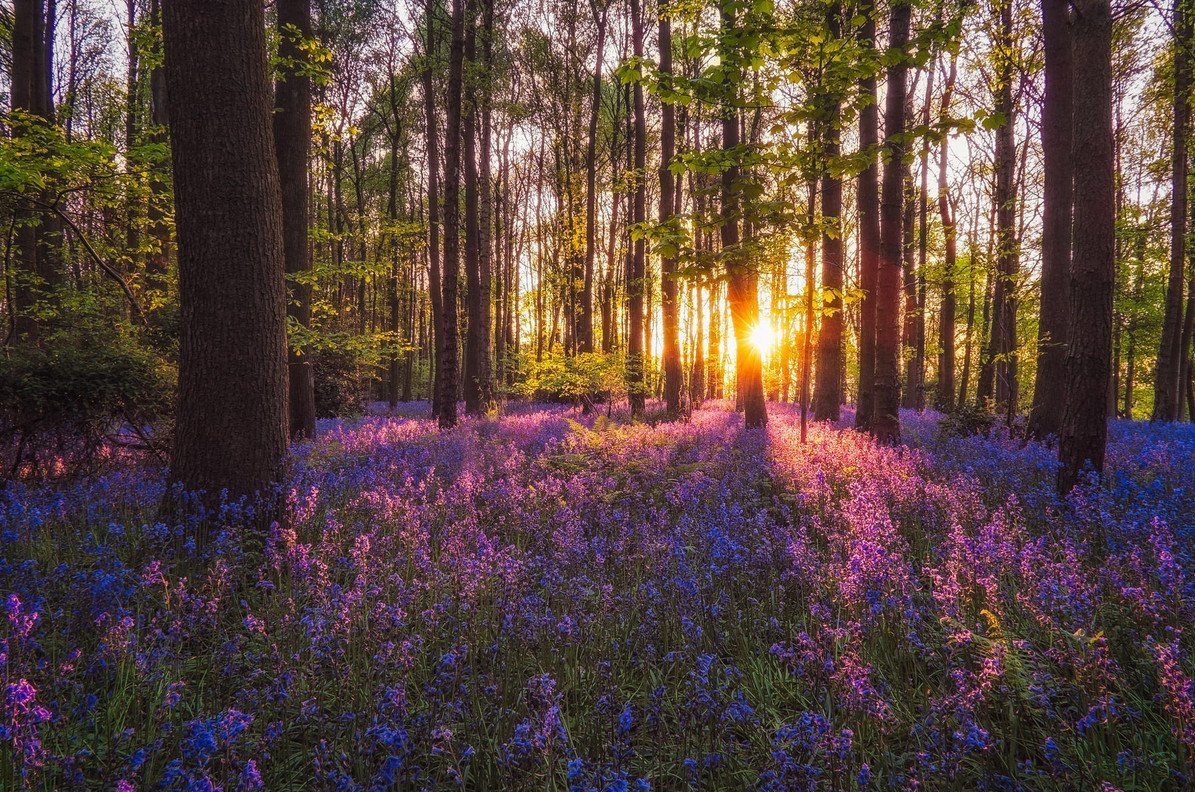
(944, 400)
(431, 133)
(292, 141)
(673, 374)
(827, 390)
(1089, 339)
(885, 422)
(868, 201)
(231, 425)
(1167, 385)
(636, 274)
(742, 294)
(585, 341)
(447, 362)
(1045, 415)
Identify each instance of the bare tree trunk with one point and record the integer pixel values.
(827, 391)
(435, 285)
(742, 294)
(636, 274)
(1084, 423)
(586, 335)
(292, 141)
(944, 400)
(885, 423)
(1045, 415)
(868, 200)
(447, 362)
(231, 427)
(673, 374)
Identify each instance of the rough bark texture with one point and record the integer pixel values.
(827, 390)
(474, 328)
(1167, 386)
(1089, 339)
(447, 360)
(885, 422)
(231, 426)
(868, 200)
(669, 305)
(585, 340)
(292, 141)
(1045, 415)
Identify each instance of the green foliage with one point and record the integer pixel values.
(586, 378)
(341, 382)
(81, 397)
(967, 420)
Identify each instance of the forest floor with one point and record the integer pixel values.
(556, 601)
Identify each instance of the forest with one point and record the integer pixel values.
(597, 396)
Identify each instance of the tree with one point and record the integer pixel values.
(585, 341)
(636, 274)
(292, 141)
(868, 202)
(673, 374)
(742, 294)
(944, 400)
(1045, 415)
(431, 136)
(885, 420)
(827, 390)
(1089, 337)
(231, 426)
(447, 359)
(1167, 384)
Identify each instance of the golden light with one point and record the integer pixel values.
(762, 337)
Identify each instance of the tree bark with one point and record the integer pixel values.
(1045, 415)
(292, 141)
(827, 390)
(868, 201)
(431, 135)
(885, 422)
(1089, 339)
(231, 426)
(673, 374)
(447, 362)
(944, 399)
(636, 274)
(1167, 385)
(742, 293)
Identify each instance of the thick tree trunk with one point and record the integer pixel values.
(868, 200)
(447, 363)
(885, 423)
(670, 309)
(474, 330)
(1089, 339)
(231, 426)
(292, 141)
(1045, 415)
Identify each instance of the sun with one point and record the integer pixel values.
(762, 337)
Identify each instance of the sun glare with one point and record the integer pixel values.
(762, 337)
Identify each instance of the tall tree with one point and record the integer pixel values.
(827, 390)
(636, 272)
(742, 294)
(669, 305)
(944, 400)
(447, 360)
(585, 341)
(1167, 385)
(885, 422)
(1089, 338)
(868, 202)
(432, 137)
(231, 425)
(292, 141)
(1045, 415)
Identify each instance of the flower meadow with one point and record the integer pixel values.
(551, 601)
